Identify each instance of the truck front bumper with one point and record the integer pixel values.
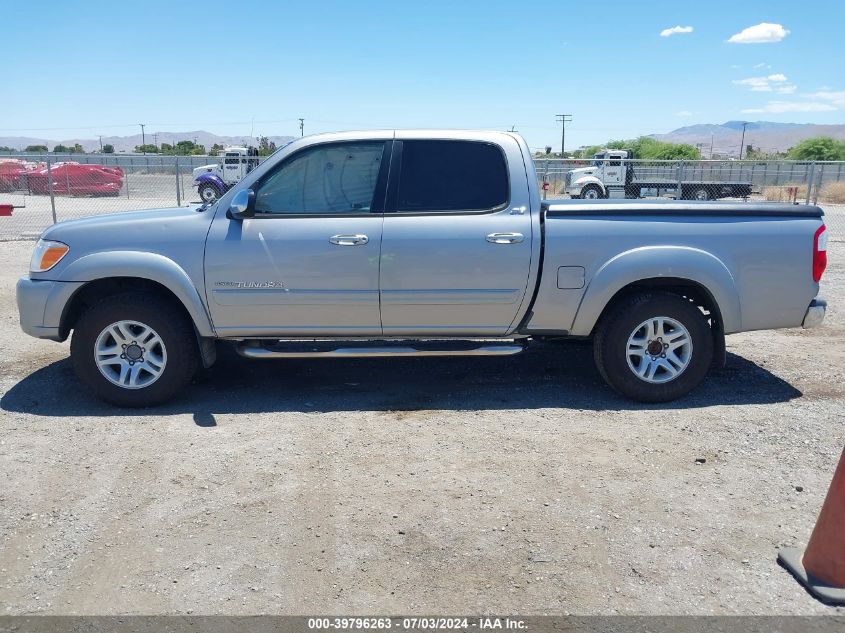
(41, 304)
(815, 313)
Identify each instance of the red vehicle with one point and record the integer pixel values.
(13, 173)
(75, 179)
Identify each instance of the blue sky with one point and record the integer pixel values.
(83, 68)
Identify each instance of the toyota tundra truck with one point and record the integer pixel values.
(417, 243)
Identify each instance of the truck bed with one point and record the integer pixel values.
(755, 260)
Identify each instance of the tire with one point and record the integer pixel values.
(701, 193)
(630, 322)
(208, 192)
(591, 192)
(162, 371)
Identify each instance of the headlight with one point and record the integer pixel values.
(46, 255)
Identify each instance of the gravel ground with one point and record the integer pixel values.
(418, 485)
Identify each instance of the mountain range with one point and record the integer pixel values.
(767, 136)
(724, 138)
(128, 143)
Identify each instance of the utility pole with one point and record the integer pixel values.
(711, 147)
(742, 142)
(302, 127)
(155, 139)
(143, 139)
(101, 143)
(563, 119)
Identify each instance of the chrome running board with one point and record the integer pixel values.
(367, 349)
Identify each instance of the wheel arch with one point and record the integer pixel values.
(114, 271)
(686, 271)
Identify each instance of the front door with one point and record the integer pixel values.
(456, 247)
(614, 170)
(307, 264)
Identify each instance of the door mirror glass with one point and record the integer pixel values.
(242, 205)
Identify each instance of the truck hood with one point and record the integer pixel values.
(205, 169)
(582, 171)
(131, 228)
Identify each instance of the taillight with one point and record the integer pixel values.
(819, 252)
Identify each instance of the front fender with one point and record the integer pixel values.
(140, 265)
(583, 181)
(650, 262)
(214, 179)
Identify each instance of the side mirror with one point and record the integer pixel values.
(242, 205)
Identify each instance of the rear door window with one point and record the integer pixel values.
(449, 176)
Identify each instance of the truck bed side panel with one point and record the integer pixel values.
(758, 268)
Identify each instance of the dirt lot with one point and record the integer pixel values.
(417, 486)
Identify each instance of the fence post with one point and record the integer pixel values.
(50, 187)
(178, 183)
(819, 184)
(545, 179)
(810, 173)
(679, 195)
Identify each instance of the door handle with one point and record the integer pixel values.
(505, 238)
(349, 240)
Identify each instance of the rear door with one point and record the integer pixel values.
(456, 245)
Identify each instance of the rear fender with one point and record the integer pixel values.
(650, 262)
(140, 265)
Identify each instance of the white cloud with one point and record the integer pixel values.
(834, 97)
(762, 84)
(683, 113)
(787, 89)
(780, 107)
(763, 65)
(762, 33)
(675, 30)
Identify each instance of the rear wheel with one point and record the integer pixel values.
(591, 192)
(701, 193)
(208, 192)
(654, 347)
(134, 349)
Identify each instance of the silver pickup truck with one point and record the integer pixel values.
(417, 243)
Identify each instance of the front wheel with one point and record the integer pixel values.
(134, 349)
(591, 192)
(654, 347)
(208, 192)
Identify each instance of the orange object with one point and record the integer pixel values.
(52, 255)
(821, 568)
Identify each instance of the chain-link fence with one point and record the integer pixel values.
(49, 188)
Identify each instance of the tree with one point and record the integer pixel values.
(6, 149)
(818, 148)
(217, 148)
(108, 148)
(35, 149)
(649, 148)
(77, 149)
(149, 148)
(61, 149)
(265, 146)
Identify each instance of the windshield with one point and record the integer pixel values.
(598, 160)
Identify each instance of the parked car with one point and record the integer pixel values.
(417, 243)
(13, 173)
(76, 179)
